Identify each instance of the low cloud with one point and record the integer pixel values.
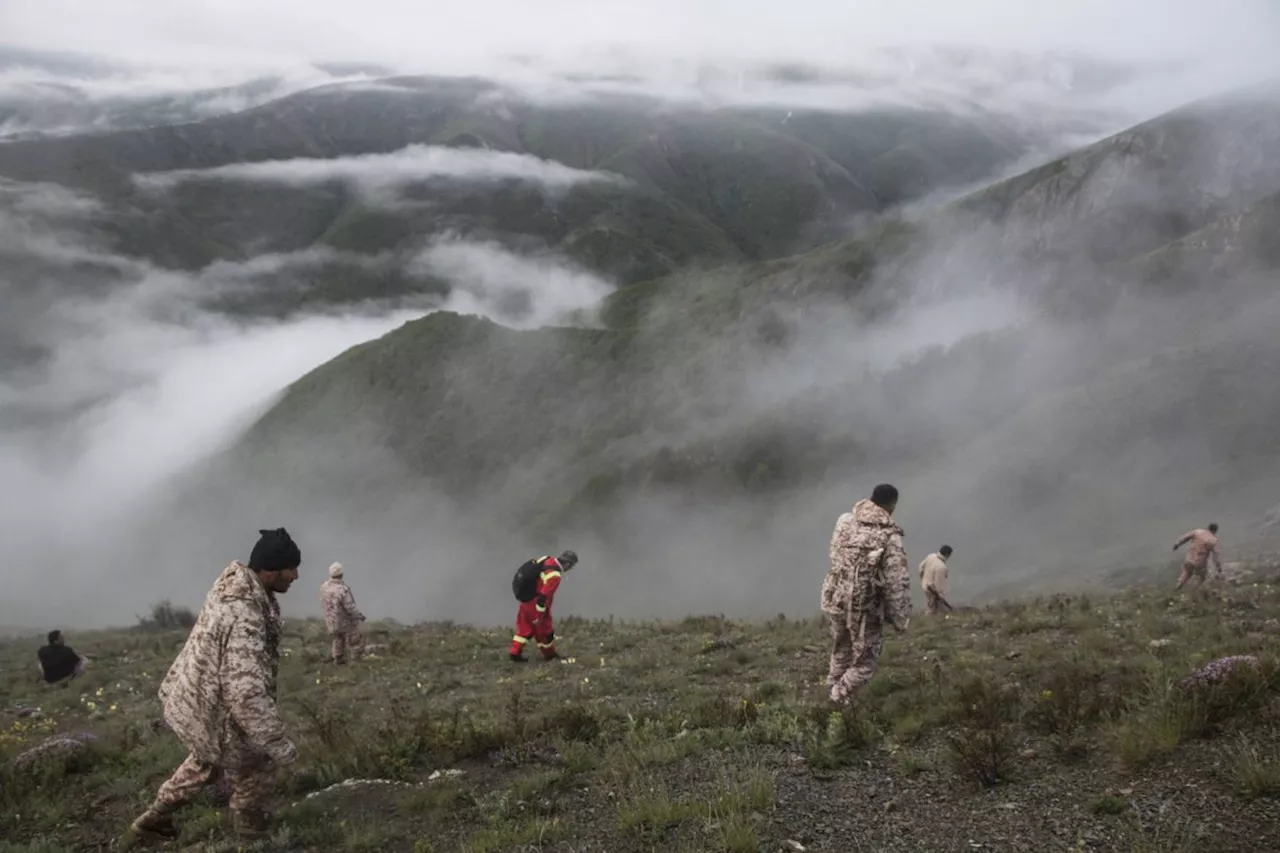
(136, 378)
(522, 291)
(1139, 56)
(381, 175)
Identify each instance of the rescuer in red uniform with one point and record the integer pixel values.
(533, 620)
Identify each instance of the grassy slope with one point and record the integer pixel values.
(657, 328)
(1031, 725)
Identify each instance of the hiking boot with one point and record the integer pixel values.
(251, 823)
(152, 825)
(518, 658)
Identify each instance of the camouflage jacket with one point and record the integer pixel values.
(219, 696)
(340, 612)
(868, 571)
(1203, 546)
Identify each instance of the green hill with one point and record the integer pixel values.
(741, 401)
(704, 186)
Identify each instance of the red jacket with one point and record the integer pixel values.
(548, 583)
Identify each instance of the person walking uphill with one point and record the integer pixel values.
(867, 585)
(535, 585)
(219, 696)
(341, 616)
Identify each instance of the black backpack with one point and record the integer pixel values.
(525, 583)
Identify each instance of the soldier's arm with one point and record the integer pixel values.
(898, 580)
(349, 600)
(1217, 559)
(244, 689)
(1184, 540)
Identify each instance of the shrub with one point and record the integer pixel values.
(980, 745)
(166, 616)
(831, 738)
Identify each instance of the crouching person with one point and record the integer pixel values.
(219, 696)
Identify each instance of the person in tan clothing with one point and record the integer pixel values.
(868, 584)
(1204, 545)
(341, 616)
(219, 697)
(933, 578)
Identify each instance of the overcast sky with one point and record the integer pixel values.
(436, 32)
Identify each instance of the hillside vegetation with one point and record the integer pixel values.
(703, 186)
(1048, 724)
(666, 398)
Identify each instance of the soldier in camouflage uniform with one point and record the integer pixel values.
(341, 616)
(1204, 545)
(867, 585)
(219, 696)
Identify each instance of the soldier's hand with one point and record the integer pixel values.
(285, 753)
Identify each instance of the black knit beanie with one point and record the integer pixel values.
(274, 552)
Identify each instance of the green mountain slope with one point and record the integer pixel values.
(1137, 190)
(704, 186)
(755, 387)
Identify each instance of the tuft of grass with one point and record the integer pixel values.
(574, 721)
(1110, 805)
(650, 812)
(1068, 699)
(514, 835)
(1252, 773)
(721, 711)
(832, 738)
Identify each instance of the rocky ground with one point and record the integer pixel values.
(1061, 724)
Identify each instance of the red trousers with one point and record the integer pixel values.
(532, 625)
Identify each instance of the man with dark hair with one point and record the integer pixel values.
(219, 696)
(1204, 545)
(59, 661)
(867, 584)
(933, 579)
(885, 496)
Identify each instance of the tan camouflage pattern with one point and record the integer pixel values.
(868, 567)
(867, 584)
(341, 616)
(251, 785)
(219, 696)
(853, 659)
(341, 645)
(1203, 546)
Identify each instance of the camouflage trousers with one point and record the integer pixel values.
(1193, 570)
(853, 660)
(251, 784)
(347, 641)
